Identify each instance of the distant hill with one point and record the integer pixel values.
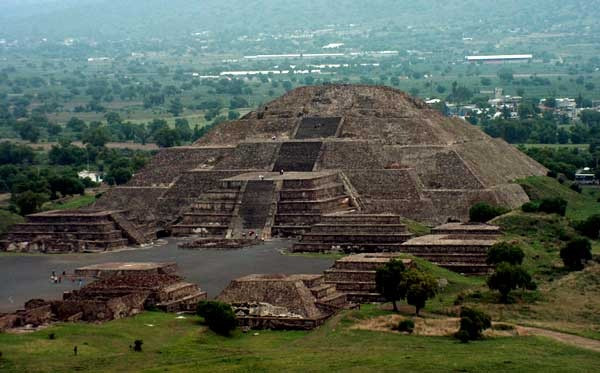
(159, 18)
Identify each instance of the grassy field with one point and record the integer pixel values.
(181, 345)
(72, 203)
(580, 205)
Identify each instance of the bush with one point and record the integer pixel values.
(576, 253)
(137, 345)
(406, 325)
(504, 252)
(218, 316)
(52, 336)
(552, 174)
(575, 187)
(531, 206)
(553, 206)
(482, 212)
(472, 324)
(589, 227)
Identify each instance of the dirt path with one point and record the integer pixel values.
(573, 340)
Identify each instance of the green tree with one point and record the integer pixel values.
(96, 136)
(504, 252)
(508, 277)
(506, 75)
(420, 287)
(176, 107)
(472, 323)
(482, 212)
(166, 137)
(183, 129)
(30, 202)
(218, 316)
(389, 281)
(575, 253)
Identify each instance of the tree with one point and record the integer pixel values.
(554, 205)
(76, 125)
(96, 136)
(65, 185)
(118, 175)
(29, 202)
(389, 281)
(472, 323)
(482, 212)
(218, 316)
(28, 131)
(506, 75)
(233, 115)
(589, 227)
(508, 277)
(576, 253)
(419, 286)
(176, 107)
(504, 252)
(183, 129)
(238, 102)
(166, 137)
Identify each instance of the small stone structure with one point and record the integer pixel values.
(354, 233)
(283, 301)
(456, 246)
(72, 231)
(354, 275)
(121, 290)
(105, 270)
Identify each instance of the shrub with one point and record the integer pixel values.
(575, 253)
(555, 205)
(575, 187)
(504, 252)
(482, 212)
(531, 206)
(406, 325)
(589, 227)
(472, 324)
(137, 345)
(218, 316)
(509, 277)
(52, 336)
(551, 174)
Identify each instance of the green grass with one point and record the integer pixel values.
(183, 345)
(8, 219)
(73, 203)
(581, 205)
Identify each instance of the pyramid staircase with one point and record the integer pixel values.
(211, 214)
(328, 299)
(303, 202)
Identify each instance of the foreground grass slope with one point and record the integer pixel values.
(180, 345)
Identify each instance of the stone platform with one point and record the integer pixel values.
(121, 290)
(283, 301)
(354, 233)
(73, 231)
(119, 268)
(354, 275)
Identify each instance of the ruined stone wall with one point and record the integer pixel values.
(171, 162)
(250, 156)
